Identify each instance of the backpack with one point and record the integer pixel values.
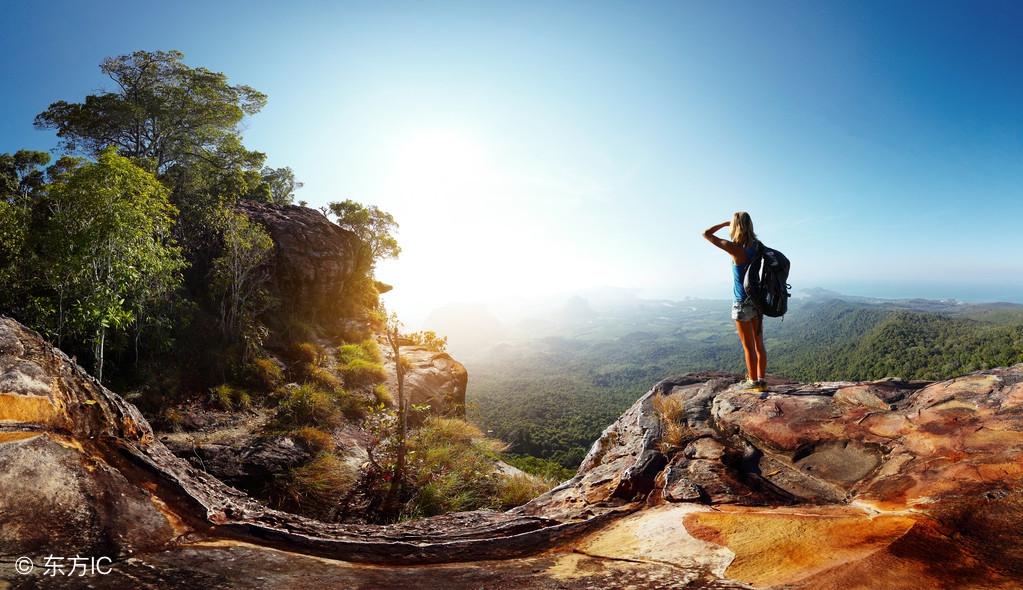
(766, 281)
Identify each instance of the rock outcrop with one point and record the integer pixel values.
(884, 484)
(316, 259)
(431, 378)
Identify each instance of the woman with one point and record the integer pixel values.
(742, 247)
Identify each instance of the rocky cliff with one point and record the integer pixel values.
(827, 485)
(316, 260)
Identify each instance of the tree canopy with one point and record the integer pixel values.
(160, 114)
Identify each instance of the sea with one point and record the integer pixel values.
(966, 292)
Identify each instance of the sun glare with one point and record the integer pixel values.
(441, 162)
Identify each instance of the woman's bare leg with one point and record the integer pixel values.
(747, 333)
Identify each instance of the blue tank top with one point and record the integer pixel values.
(738, 272)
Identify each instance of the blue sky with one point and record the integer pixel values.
(537, 147)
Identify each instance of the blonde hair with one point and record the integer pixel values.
(741, 230)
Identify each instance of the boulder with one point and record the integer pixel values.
(431, 378)
(316, 260)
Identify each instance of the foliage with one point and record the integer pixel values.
(542, 468)
(103, 243)
(374, 227)
(429, 340)
(361, 364)
(318, 489)
(229, 397)
(278, 185)
(239, 275)
(315, 440)
(162, 113)
(451, 467)
(308, 405)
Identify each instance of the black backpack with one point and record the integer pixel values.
(766, 281)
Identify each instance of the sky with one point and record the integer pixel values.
(528, 148)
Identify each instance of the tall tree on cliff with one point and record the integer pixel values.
(161, 114)
(375, 228)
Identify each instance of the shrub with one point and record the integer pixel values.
(307, 405)
(323, 377)
(318, 488)
(265, 373)
(452, 468)
(675, 431)
(361, 364)
(430, 341)
(229, 397)
(309, 353)
(360, 373)
(313, 439)
(367, 350)
(382, 395)
(516, 490)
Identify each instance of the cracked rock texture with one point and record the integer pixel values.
(885, 484)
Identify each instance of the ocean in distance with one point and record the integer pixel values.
(1009, 292)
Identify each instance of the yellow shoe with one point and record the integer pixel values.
(748, 385)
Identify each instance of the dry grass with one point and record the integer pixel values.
(318, 488)
(675, 432)
(229, 397)
(516, 490)
(266, 373)
(314, 439)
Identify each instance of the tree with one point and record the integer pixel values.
(21, 175)
(393, 334)
(374, 227)
(105, 247)
(278, 185)
(162, 113)
(240, 273)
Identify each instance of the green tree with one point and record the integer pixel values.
(105, 245)
(374, 227)
(161, 113)
(239, 274)
(21, 176)
(278, 185)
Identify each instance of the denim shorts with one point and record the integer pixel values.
(743, 311)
